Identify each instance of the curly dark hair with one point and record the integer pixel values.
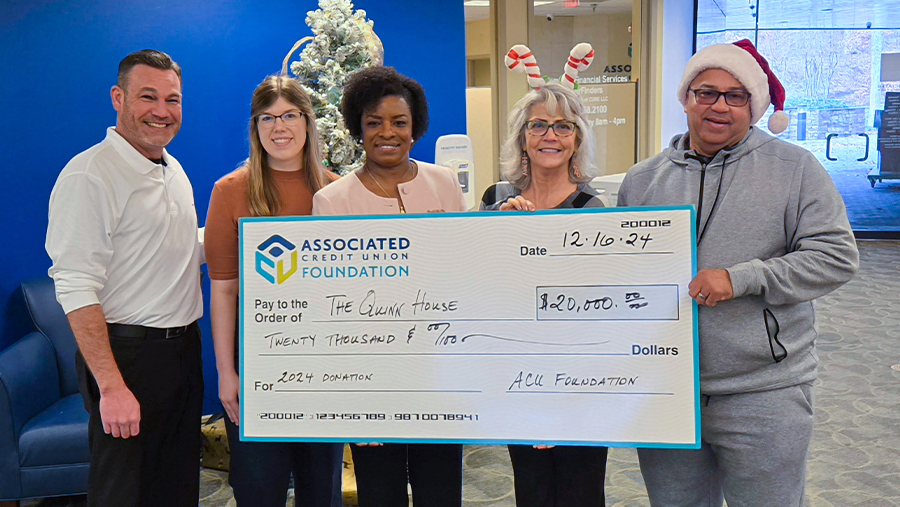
(365, 89)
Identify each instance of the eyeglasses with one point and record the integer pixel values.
(290, 118)
(560, 128)
(709, 97)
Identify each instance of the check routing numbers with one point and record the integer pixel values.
(432, 328)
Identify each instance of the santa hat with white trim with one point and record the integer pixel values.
(743, 61)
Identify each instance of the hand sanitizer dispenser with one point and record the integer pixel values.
(455, 151)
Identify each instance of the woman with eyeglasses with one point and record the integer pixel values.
(387, 112)
(279, 179)
(547, 161)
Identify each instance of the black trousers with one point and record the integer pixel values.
(161, 466)
(260, 472)
(562, 476)
(433, 470)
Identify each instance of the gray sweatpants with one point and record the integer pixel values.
(753, 454)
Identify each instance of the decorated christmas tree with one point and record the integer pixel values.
(344, 42)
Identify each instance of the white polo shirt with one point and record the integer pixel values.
(122, 232)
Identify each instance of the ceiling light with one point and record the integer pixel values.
(477, 3)
(539, 3)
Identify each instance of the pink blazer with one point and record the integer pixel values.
(435, 189)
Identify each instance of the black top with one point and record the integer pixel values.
(584, 196)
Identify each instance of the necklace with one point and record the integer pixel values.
(386, 194)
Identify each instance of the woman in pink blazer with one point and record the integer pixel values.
(387, 112)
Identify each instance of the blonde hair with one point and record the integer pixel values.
(262, 195)
(559, 100)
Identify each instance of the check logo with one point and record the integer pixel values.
(271, 253)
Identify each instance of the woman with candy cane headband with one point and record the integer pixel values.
(548, 162)
(545, 160)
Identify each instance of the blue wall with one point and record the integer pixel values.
(59, 60)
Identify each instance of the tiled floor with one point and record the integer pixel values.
(855, 455)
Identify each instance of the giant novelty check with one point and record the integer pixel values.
(557, 327)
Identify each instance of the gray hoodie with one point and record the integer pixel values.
(771, 216)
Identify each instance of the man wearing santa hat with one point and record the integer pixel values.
(772, 235)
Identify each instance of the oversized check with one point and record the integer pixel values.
(557, 327)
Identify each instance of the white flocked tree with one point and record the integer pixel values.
(343, 43)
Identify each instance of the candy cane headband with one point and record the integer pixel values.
(521, 59)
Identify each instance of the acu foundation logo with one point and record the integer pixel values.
(272, 253)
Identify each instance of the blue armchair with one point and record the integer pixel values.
(43, 425)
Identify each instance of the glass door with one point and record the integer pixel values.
(838, 61)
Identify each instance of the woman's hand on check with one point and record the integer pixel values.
(543, 446)
(517, 203)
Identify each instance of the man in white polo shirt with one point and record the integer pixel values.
(122, 236)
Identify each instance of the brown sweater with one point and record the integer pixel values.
(228, 203)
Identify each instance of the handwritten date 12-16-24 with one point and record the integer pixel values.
(575, 239)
